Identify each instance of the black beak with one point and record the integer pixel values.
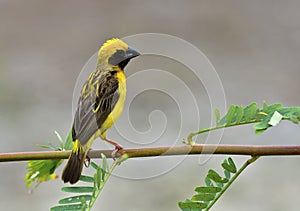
(131, 53)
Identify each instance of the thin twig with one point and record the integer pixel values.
(162, 151)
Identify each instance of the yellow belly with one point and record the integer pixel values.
(117, 111)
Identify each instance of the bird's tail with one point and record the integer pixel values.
(72, 170)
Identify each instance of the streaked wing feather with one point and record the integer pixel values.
(93, 110)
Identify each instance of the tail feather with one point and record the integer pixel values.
(72, 171)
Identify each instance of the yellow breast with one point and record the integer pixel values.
(117, 111)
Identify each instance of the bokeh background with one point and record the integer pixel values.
(253, 45)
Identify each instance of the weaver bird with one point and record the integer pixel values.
(100, 104)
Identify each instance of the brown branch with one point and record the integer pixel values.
(162, 151)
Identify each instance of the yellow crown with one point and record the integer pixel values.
(108, 42)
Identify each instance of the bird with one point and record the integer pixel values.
(100, 104)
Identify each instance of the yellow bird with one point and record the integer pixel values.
(100, 104)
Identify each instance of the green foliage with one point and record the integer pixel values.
(88, 193)
(39, 171)
(276, 113)
(265, 118)
(215, 186)
(69, 142)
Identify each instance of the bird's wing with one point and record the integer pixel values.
(95, 106)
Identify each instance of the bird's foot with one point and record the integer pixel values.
(87, 161)
(115, 153)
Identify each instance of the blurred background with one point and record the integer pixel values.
(253, 45)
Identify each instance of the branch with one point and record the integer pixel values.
(162, 151)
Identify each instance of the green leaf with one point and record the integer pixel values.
(232, 164)
(78, 189)
(94, 165)
(262, 126)
(294, 119)
(44, 146)
(97, 177)
(104, 162)
(213, 175)
(59, 138)
(217, 115)
(203, 197)
(275, 119)
(239, 114)
(221, 185)
(265, 106)
(230, 114)
(85, 178)
(41, 170)
(192, 205)
(250, 112)
(69, 141)
(204, 189)
(258, 132)
(104, 168)
(71, 207)
(226, 165)
(208, 182)
(272, 108)
(75, 199)
(227, 174)
(229, 165)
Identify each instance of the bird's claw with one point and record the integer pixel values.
(115, 153)
(87, 161)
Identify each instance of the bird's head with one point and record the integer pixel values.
(115, 53)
